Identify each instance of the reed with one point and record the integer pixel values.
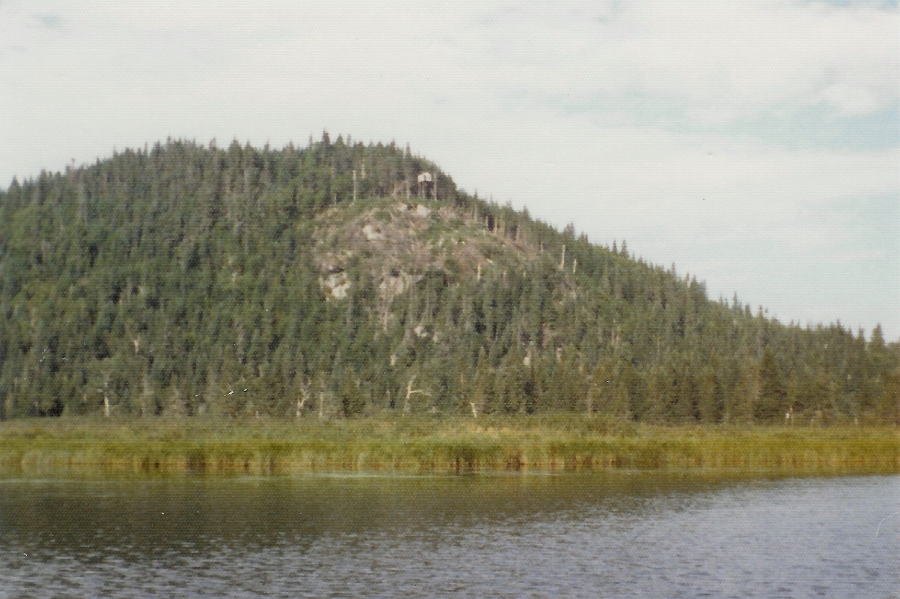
(542, 443)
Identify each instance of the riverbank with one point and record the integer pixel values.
(439, 445)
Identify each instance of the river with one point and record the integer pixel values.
(619, 534)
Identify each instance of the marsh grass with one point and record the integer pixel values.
(415, 444)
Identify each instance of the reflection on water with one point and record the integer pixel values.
(612, 534)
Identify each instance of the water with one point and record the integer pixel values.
(573, 535)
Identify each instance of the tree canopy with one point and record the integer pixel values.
(182, 280)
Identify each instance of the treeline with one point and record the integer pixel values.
(184, 280)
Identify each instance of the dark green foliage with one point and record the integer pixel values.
(772, 395)
(183, 280)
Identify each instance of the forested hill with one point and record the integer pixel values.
(328, 281)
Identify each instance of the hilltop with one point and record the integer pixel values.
(328, 281)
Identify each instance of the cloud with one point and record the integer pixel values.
(715, 64)
(49, 21)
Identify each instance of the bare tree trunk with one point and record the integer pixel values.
(304, 395)
(410, 392)
(106, 376)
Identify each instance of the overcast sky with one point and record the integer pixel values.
(754, 144)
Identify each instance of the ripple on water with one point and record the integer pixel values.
(578, 536)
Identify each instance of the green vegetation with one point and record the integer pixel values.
(458, 444)
(190, 282)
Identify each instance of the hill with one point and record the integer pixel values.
(183, 280)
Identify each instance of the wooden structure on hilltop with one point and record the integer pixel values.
(426, 182)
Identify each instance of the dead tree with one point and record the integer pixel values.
(304, 397)
(410, 392)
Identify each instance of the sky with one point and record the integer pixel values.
(754, 144)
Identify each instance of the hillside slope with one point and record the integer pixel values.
(186, 280)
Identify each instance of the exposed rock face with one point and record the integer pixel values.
(372, 234)
(337, 284)
(396, 243)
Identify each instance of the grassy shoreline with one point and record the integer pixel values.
(448, 445)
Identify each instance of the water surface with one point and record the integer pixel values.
(593, 535)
